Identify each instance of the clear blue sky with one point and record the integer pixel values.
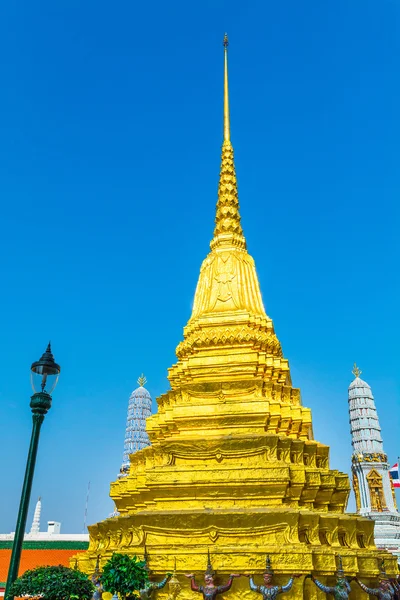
(110, 134)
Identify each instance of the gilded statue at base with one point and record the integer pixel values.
(96, 580)
(209, 590)
(269, 591)
(395, 583)
(342, 588)
(385, 591)
(150, 587)
(174, 586)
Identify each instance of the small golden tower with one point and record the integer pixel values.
(233, 466)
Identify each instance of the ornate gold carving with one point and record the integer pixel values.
(228, 230)
(324, 537)
(356, 489)
(393, 493)
(221, 335)
(360, 540)
(377, 496)
(174, 586)
(213, 535)
(342, 537)
(372, 457)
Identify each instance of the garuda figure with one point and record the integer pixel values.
(209, 590)
(385, 591)
(395, 582)
(268, 590)
(396, 588)
(342, 588)
(150, 587)
(96, 580)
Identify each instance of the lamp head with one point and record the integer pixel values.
(45, 372)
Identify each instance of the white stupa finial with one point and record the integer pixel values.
(36, 517)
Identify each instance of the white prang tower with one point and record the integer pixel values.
(35, 528)
(373, 488)
(139, 409)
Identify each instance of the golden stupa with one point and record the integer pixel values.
(233, 465)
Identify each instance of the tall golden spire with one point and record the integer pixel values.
(227, 127)
(228, 230)
(228, 322)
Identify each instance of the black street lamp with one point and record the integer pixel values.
(44, 376)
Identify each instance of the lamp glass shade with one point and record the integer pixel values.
(45, 372)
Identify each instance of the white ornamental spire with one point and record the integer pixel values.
(36, 517)
(139, 409)
(364, 422)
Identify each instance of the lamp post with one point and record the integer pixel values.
(44, 374)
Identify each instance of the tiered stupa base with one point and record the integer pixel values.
(238, 541)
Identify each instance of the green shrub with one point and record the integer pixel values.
(124, 575)
(54, 583)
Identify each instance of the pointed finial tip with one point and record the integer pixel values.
(142, 380)
(226, 41)
(268, 566)
(356, 371)
(209, 570)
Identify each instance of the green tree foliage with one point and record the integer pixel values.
(124, 575)
(54, 583)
